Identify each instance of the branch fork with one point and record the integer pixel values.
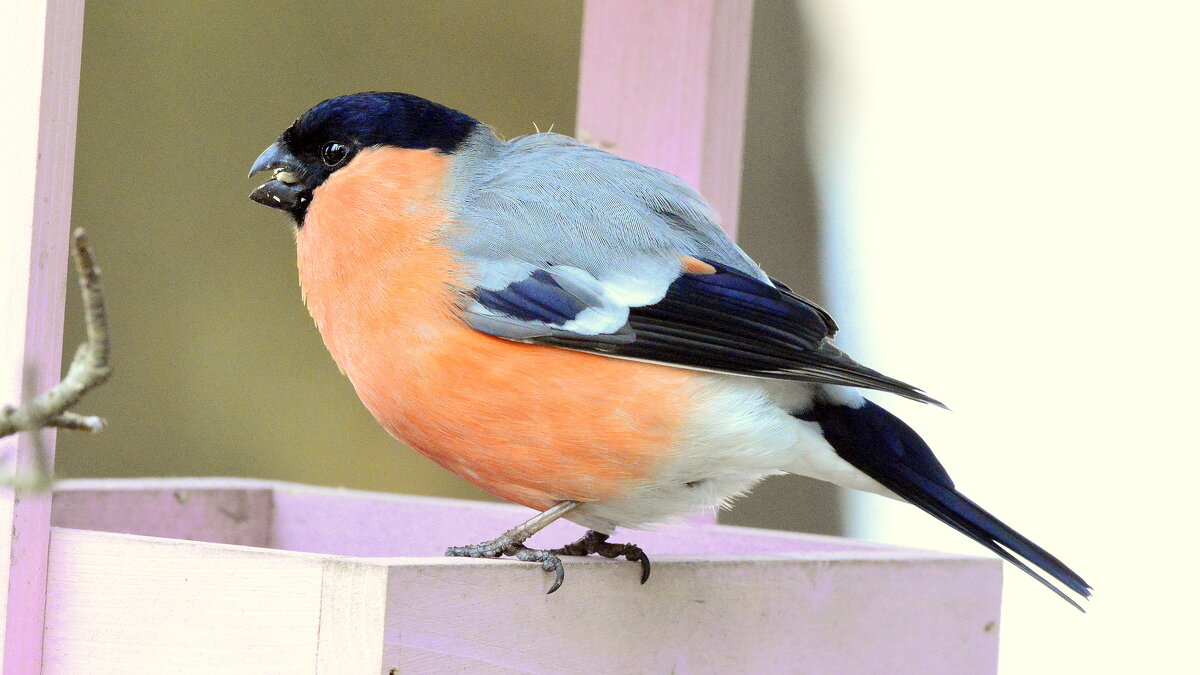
(89, 369)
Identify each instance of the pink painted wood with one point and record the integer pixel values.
(125, 604)
(39, 54)
(754, 614)
(664, 83)
(349, 522)
(349, 588)
(226, 511)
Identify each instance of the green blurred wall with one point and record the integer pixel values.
(219, 370)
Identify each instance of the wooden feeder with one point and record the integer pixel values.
(220, 575)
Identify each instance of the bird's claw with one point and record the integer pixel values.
(488, 549)
(503, 546)
(550, 563)
(592, 542)
(597, 542)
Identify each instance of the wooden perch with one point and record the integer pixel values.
(88, 370)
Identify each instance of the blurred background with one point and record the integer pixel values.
(997, 201)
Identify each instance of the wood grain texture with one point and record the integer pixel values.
(348, 522)
(757, 614)
(721, 599)
(39, 57)
(128, 604)
(664, 83)
(225, 514)
(359, 523)
(353, 598)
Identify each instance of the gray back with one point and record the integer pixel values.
(546, 198)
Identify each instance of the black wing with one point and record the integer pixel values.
(726, 322)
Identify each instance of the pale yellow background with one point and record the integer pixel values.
(1013, 197)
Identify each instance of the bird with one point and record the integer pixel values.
(573, 331)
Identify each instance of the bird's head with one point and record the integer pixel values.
(333, 132)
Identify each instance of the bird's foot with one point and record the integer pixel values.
(597, 542)
(506, 545)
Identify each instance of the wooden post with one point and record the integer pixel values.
(664, 83)
(39, 54)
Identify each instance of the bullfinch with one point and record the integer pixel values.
(573, 331)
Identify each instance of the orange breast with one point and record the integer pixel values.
(530, 424)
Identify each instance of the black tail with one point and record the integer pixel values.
(882, 446)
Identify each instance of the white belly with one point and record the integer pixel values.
(740, 432)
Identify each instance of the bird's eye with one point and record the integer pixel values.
(334, 153)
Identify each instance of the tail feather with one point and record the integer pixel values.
(951, 507)
(882, 446)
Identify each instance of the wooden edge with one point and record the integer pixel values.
(222, 513)
(168, 483)
(126, 603)
(40, 58)
(160, 605)
(755, 614)
(717, 559)
(370, 524)
(353, 602)
(887, 554)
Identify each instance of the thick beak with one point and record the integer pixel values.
(279, 194)
(274, 157)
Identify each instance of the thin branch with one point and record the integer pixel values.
(89, 369)
(38, 477)
(76, 422)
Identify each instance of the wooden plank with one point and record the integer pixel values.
(664, 83)
(353, 601)
(773, 601)
(765, 614)
(39, 54)
(227, 512)
(124, 604)
(348, 522)
(128, 604)
(338, 521)
(358, 523)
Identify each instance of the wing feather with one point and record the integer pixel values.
(579, 249)
(725, 322)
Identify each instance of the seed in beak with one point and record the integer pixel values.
(287, 177)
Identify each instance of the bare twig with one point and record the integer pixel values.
(38, 476)
(89, 369)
